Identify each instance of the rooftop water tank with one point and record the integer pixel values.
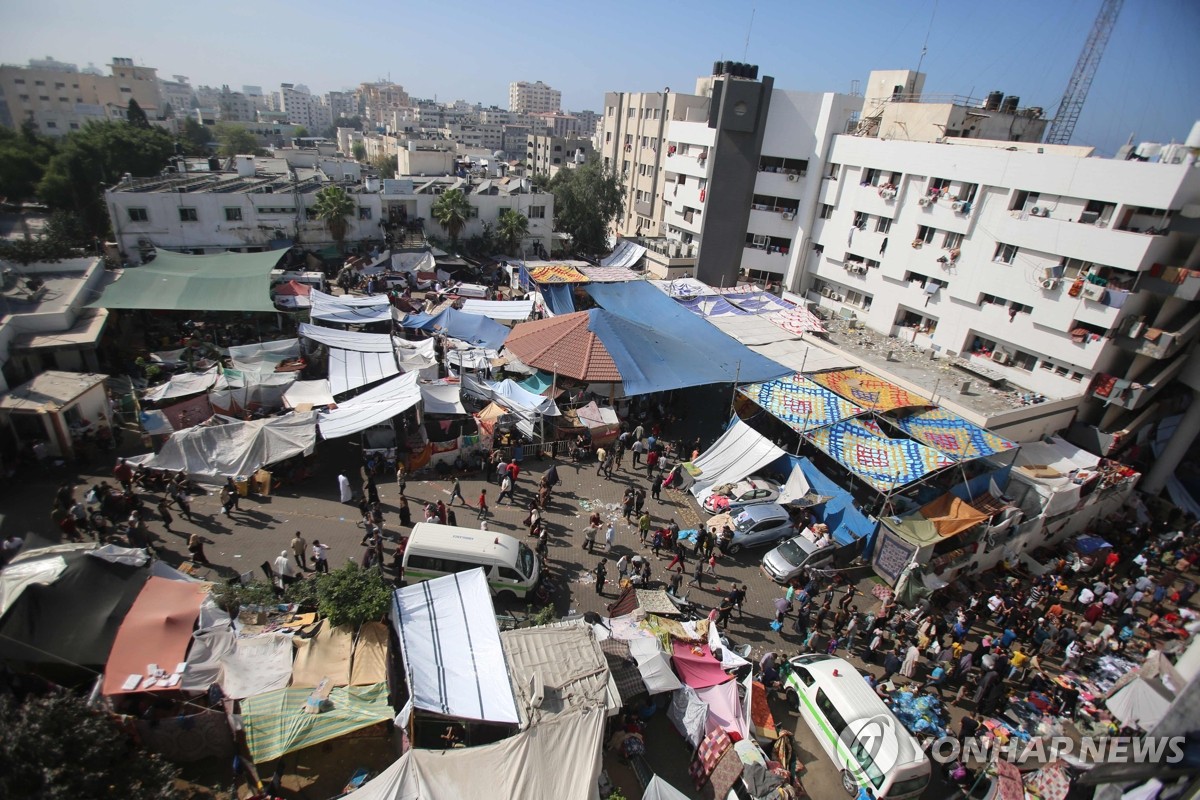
(245, 166)
(1009, 106)
(993, 101)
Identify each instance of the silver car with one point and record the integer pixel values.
(785, 561)
(754, 526)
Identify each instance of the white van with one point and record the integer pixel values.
(858, 732)
(433, 550)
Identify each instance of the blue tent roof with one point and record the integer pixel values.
(560, 298)
(681, 349)
(846, 523)
(471, 328)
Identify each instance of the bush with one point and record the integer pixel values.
(352, 595)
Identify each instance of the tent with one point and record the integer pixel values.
(950, 515)
(292, 294)
(864, 389)
(157, 630)
(1141, 698)
(951, 434)
(325, 655)
(277, 723)
(556, 760)
(257, 665)
(371, 407)
(558, 670)
(451, 648)
(499, 309)
(348, 340)
(235, 449)
(626, 254)
(349, 369)
(710, 305)
(737, 453)
(659, 789)
(696, 665)
(183, 384)
(609, 273)
(178, 282)
(308, 394)
(797, 320)
(470, 328)
(350, 309)
(654, 665)
(884, 463)
(724, 709)
(755, 302)
(689, 714)
(444, 397)
(800, 403)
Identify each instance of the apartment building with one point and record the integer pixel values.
(303, 108)
(375, 102)
(533, 98)
(235, 107)
(547, 154)
(176, 93)
(60, 98)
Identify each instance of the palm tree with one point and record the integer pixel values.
(332, 207)
(451, 212)
(511, 227)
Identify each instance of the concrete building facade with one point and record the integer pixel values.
(547, 154)
(533, 98)
(59, 98)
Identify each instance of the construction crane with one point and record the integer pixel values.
(1071, 104)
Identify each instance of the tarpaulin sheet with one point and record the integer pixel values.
(866, 390)
(184, 384)
(659, 789)
(257, 665)
(209, 648)
(654, 665)
(37, 571)
(564, 661)
(724, 709)
(689, 714)
(560, 299)
(682, 287)
(309, 393)
(237, 449)
(275, 351)
(190, 737)
(738, 452)
(442, 398)
(178, 282)
(350, 370)
(951, 515)
(558, 760)
(233, 402)
(893, 552)
(609, 273)
(292, 288)
(326, 655)
(797, 320)
(712, 305)
(696, 666)
(799, 356)
(277, 724)
(799, 403)
(453, 659)
(846, 523)
(556, 273)
(348, 340)
(624, 255)
(886, 464)
(511, 394)
(951, 434)
(350, 309)
(499, 309)
(1051, 462)
(473, 329)
(369, 664)
(752, 330)
(649, 359)
(157, 630)
(758, 302)
(371, 407)
(415, 355)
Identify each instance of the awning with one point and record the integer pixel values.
(951, 515)
(866, 390)
(799, 403)
(349, 369)
(885, 463)
(737, 453)
(371, 407)
(654, 665)
(348, 340)
(499, 309)
(609, 273)
(442, 398)
(951, 434)
(625, 254)
(350, 309)
(698, 670)
(157, 630)
(178, 282)
(237, 449)
(183, 385)
(559, 298)
(308, 393)
(277, 723)
(453, 659)
(710, 305)
(470, 328)
(557, 670)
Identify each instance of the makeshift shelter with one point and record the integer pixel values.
(348, 340)
(183, 384)
(473, 329)
(499, 309)
(654, 665)
(798, 320)
(257, 665)
(443, 397)
(609, 273)
(886, 464)
(43, 411)
(710, 305)
(555, 273)
(557, 670)
(951, 434)
(659, 789)
(235, 449)
(292, 295)
(556, 760)
(800, 403)
(696, 666)
(177, 282)
(157, 630)
(738, 452)
(601, 421)
(758, 302)
(453, 659)
(349, 369)
(626, 254)
(689, 714)
(1140, 699)
(278, 722)
(371, 407)
(348, 309)
(867, 391)
(1054, 475)
(798, 356)
(949, 515)
(306, 395)
(325, 655)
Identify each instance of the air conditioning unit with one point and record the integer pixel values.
(793, 178)
(789, 215)
(924, 202)
(1049, 283)
(1038, 211)
(1092, 291)
(826, 291)
(1001, 357)
(959, 206)
(1136, 329)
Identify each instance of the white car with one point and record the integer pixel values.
(751, 491)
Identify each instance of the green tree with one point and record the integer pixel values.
(451, 210)
(300, 132)
(333, 206)
(234, 140)
(360, 152)
(352, 595)
(56, 748)
(135, 116)
(511, 227)
(23, 158)
(195, 137)
(586, 201)
(386, 166)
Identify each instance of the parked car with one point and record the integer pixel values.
(785, 561)
(748, 492)
(754, 526)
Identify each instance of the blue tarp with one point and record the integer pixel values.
(560, 298)
(681, 349)
(846, 523)
(537, 383)
(1086, 545)
(471, 328)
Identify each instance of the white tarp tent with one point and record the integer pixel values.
(654, 666)
(625, 254)
(415, 355)
(796, 487)
(658, 789)
(739, 452)
(349, 369)
(558, 670)
(276, 351)
(236, 449)
(442, 398)
(689, 714)
(556, 760)
(350, 309)
(452, 655)
(184, 384)
(499, 309)
(371, 408)
(1140, 699)
(256, 665)
(308, 393)
(522, 403)
(751, 329)
(348, 340)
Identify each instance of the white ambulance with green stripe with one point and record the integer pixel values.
(857, 730)
(511, 566)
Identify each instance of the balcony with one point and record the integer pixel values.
(643, 208)
(1133, 395)
(772, 222)
(773, 260)
(1171, 281)
(782, 183)
(1124, 249)
(1155, 342)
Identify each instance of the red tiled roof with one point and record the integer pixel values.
(565, 346)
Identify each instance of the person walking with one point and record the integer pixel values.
(320, 556)
(284, 576)
(195, 548)
(908, 668)
(610, 534)
(644, 527)
(601, 572)
(638, 449)
(589, 536)
(182, 500)
(639, 500)
(401, 477)
(501, 470)
(164, 511)
(483, 506)
(601, 455)
(656, 487)
(627, 504)
(698, 574)
(405, 513)
(651, 463)
(233, 494)
(300, 551)
(345, 495)
(622, 568)
(506, 490)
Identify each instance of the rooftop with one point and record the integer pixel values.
(50, 391)
(34, 291)
(271, 176)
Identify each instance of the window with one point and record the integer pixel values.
(952, 241)
(860, 220)
(365, 213)
(510, 575)
(826, 211)
(1019, 308)
(20, 81)
(74, 126)
(60, 86)
(803, 675)
(1022, 200)
(967, 192)
(832, 171)
(51, 124)
(883, 224)
(472, 213)
(137, 215)
(925, 234)
(23, 96)
(835, 719)
(871, 177)
(188, 215)
(44, 97)
(309, 213)
(64, 99)
(1005, 253)
(39, 83)
(938, 185)
(233, 215)
(537, 212)
(607, 137)
(1024, 360)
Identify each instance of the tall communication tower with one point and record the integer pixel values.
(1085, 69)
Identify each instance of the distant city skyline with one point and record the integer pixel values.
(1146, 85)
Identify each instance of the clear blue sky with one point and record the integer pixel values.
(1148, 82)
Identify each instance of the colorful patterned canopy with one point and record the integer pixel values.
(952, 435)
(799, 403)
(557, 273)
(797, 320)
(886, 464)
(868, 391)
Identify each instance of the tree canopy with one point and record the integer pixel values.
(234, 140)
(195, 137)
(451, 210)
(300, 132)
(511, 227)
(346, 596)
(135, 116)
(332, 207)
(386, 166)
(23, 159)
(586, 201)
(56, 748)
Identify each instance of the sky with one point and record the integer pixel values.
(1148, 84)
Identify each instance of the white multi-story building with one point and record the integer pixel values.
(341, 104)
(304, 108)
(533, 98)
(59, 98)
(547, 154)
(236, 107)
(176, 93)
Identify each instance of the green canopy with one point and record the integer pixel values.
(914, 529)
(277, 724)
(178, 282)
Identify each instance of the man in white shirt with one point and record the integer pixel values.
(320, 554)
(284, 574)
(1085, 598)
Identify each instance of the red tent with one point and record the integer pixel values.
(696, 665)
(293, 289)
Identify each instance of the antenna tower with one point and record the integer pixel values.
(1071, 104)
